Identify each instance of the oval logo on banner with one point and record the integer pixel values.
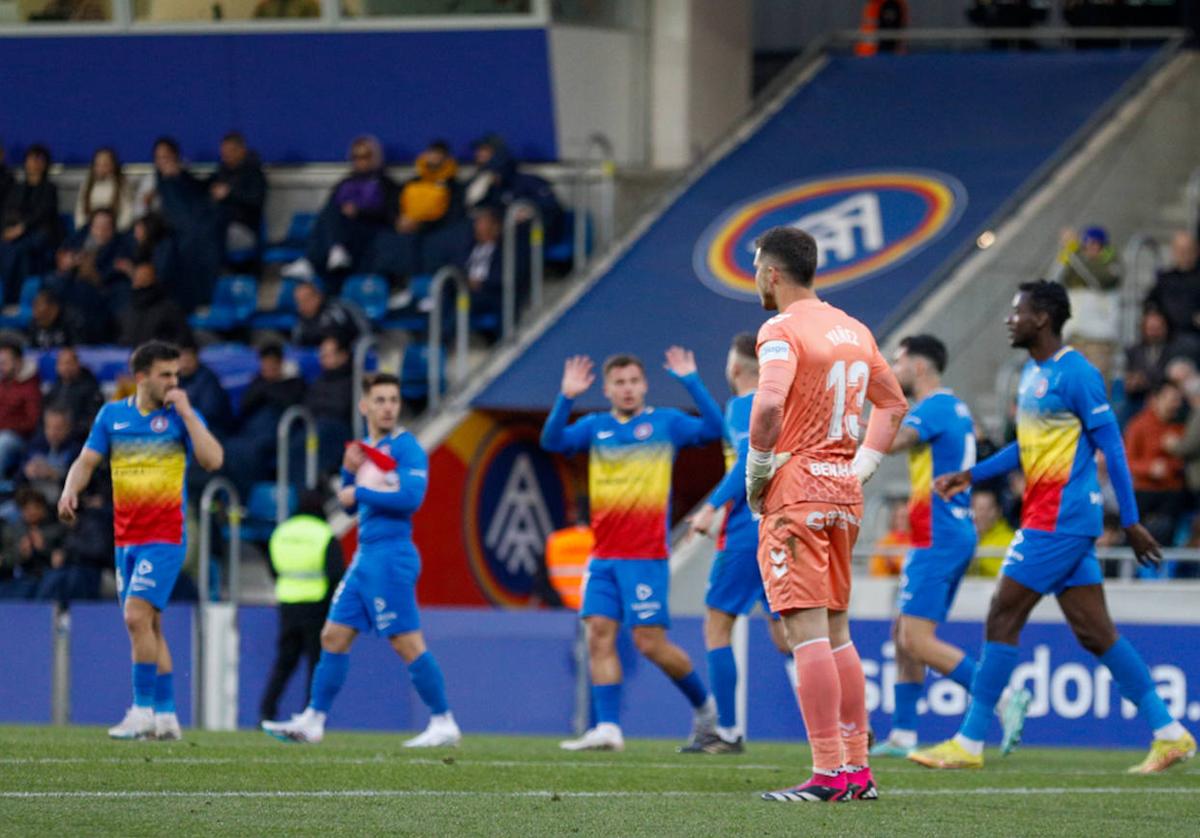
(864, 223)
(516, 496)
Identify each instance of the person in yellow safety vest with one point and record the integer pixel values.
(306, 561)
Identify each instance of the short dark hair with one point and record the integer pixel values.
(144, 356)
(271, 349)
(794, 250)
(379, 379)
(745, 345)
(187, 340)
(234, 137)
(169, 142)
(12, 345)
(623, 359)
(928, 347)
(311, 502)
(102, 211)
(1049, 298)
(39, 150)
(27, 494)
(439, 145)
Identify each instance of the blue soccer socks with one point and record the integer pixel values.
(991, 677)
(428, 681)
(164, 692)
(1133, 678)
(144, 675)
(722, 672)
(606, 702)
(328, 679)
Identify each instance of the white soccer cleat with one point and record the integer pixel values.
(603, 737)
(166, 727)
(442, 732)
(137, 724)
(306, 728)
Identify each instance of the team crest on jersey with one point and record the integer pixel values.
(1041, 388)
(643, 430)
(516, 496)
(864, 223)
(158, 424)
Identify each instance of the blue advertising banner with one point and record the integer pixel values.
(894, 164)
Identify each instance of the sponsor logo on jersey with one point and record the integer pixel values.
(863, 222)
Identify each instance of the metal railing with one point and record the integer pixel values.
(518, 213)
(462, 309)
(1141, 259)
(362, 347)
(1192, 194)
(594, 194)
(283, 455)
(215, 486)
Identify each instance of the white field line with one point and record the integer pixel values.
(551, 794)
(496, 763)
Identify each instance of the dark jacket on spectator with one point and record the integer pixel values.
(6, 183)
(66, 330)
(89, 541)
(208, 396)
(81, 397)
(151, 315)
(247, 191)
(13, 564)
(34, 206)
(335, 319)
(1176, 294)
(331, 394)
(274, 395)
(20, 405)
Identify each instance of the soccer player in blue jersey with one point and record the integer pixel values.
(148, 439)
(939, 436)
(385, 477)
(631, 449)
(1063, 418)
(735, 584)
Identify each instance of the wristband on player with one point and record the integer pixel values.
(760, 463)
(866, 461)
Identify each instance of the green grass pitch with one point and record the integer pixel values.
(74, 781)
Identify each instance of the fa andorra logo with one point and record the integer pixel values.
(863, 222)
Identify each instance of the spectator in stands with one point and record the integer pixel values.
(75, 390)
(498, 183)
(51, 453)
(31, 546)
(1157, 474)
(1091, 274)
(20, 406)
(891, 561)
(250, 453)
(319, 317)
(1186, 446)
(431, 225)
(88, 546)
(52, 325)
(361, 206)
(195, 225)
(993, 530)
(151, 314)
(1176, 292)
(239, 188)
(485, 263)
(93, 269)
(203, 387)
(105, 187)
(6, 177)
(1146, 361)
(29, 225)
(330, 397)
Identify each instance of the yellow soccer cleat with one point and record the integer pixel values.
(1164, 753)
(948, 754)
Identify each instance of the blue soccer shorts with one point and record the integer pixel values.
(930, 579)
(1049, 563)
(148, 571)
(735, 584)
(379, 596)
(631, 591)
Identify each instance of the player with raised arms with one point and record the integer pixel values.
(385, 477)
(735, 585)
(1063, 419)
(148, 439)
(631, 449)
(939, 436)
(817, 368)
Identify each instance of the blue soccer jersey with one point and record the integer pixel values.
(1058, 403)
(148, 454)
(385, 518)
(947, 443)
(739, 533)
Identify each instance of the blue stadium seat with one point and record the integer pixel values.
(24, 312)
(414, 372)
(246, 256)
(259, 522)
(67, 219)
(291, 247)
(369, 292)
(562, 249)
(282, 315)
(233, 304)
